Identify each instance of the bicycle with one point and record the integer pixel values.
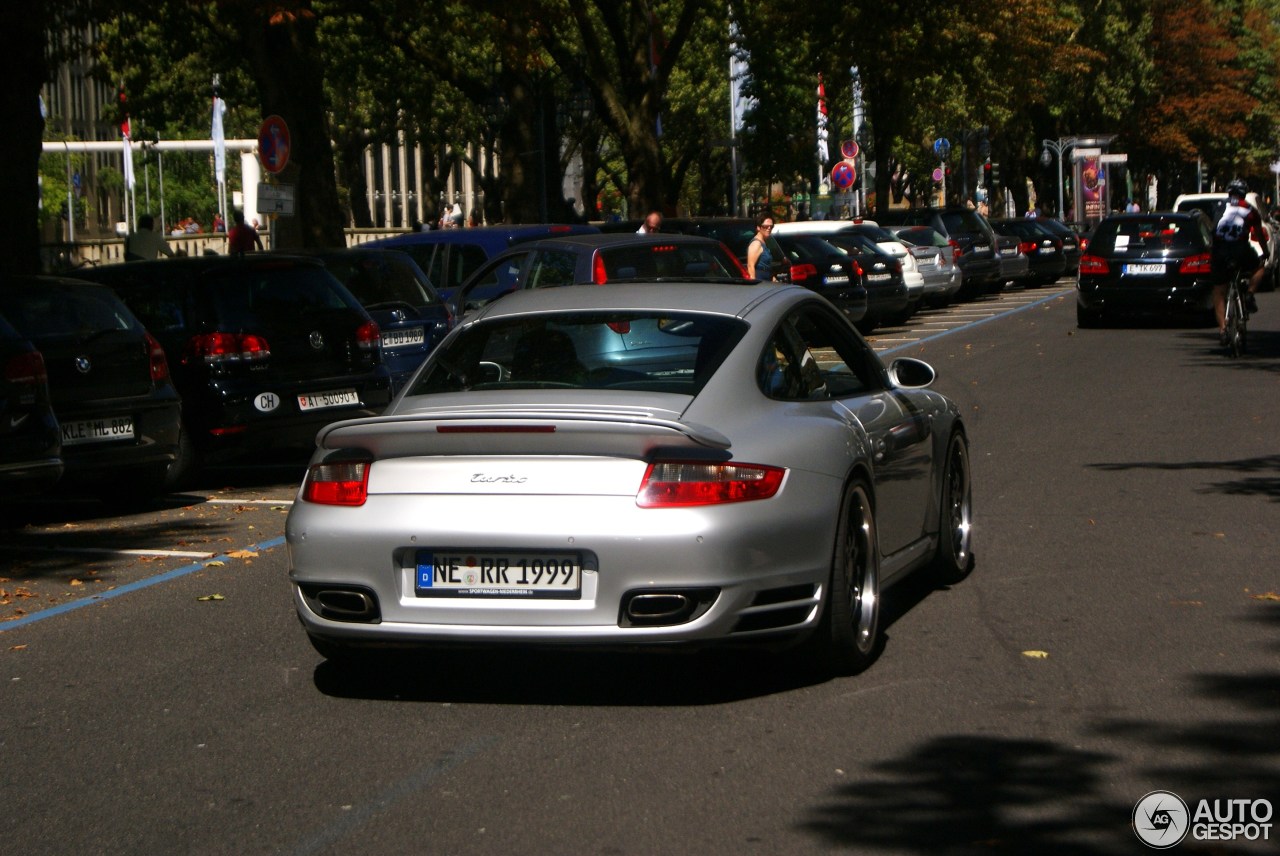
(1235, 331)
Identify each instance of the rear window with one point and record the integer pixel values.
(962, 221)
(381, 282)
(1212, 208)
(59, 312)
(638, 351)
(1149, 233)
(669, 261)
(248, 298)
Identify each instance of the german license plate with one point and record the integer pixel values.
(464, 574)
(397, 338)
(1144, 269)
(877, 277)
(97, 430)
(333, 398)
(837, 280)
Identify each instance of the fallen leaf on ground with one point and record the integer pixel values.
(77, 582)
(1269, 595)
(215, 564)
(1036, 655)
(242, 554)
(211, 597)
(18, 648)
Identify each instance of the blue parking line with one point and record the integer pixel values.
(1044, 299)
(131, 587)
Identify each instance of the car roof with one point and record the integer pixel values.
(495, 238)
(716, 298)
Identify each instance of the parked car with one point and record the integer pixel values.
(265, 349)
(759, 477)
(735, 233)
(1212, 205)
(1156, 264)
(449, 256)
(826, 269)
(1041, 247)
(109, 382)
(1071, 243)
(30, 439)
(888, 301)
(598, 259)
(885, 240)
(935, 259)
(411, 317)
(975, 242)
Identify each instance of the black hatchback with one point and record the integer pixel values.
(824, 268)
(109, 381)
(30, 444)
(265, 349)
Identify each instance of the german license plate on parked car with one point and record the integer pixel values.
(333, 398)
(1144, 269)
(97, 430)
(396, 338)
(462, 574)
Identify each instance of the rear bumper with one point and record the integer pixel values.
(1192, 298)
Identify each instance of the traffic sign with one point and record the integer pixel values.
(942, 148)
(849, 149)
(275, 199)
(937, 173)
(843, 175)
(273, 144)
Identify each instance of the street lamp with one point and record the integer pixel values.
(1059, 147)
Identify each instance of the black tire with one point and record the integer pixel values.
(186, 465)
(848, 638)
(954, 558)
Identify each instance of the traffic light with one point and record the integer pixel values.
(986, 173)
(995, 174)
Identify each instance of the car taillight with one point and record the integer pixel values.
(622, 328)
(218, 349)
(598, 274)
(856, 268)
(679, 483)
(801, 272)
(1093, 266)
(955, 245)
(159, 365)
(368, 336)
(1027, 248)
(26, 369)
(337, 483)
(1202, 263)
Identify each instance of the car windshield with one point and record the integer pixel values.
(923, 236)
(381, 282)
(1212, 208)
(876, 233)
(639, 351)
(1132, 235)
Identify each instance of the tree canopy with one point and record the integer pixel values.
(638, 90)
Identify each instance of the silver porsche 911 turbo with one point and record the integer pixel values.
(635, 465)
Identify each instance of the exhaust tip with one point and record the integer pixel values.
(342, 604)
(659, 608)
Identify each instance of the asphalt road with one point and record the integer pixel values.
(1118, 636)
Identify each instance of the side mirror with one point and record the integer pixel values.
(911, 373)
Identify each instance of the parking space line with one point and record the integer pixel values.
(106, 551)
(250, 501)
(131, 587)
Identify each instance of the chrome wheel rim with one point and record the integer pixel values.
(861, 572)
(959, 504)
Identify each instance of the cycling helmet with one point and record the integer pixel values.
(1237, 189)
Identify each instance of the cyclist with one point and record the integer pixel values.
(1232, 251)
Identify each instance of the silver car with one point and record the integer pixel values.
(639, 465)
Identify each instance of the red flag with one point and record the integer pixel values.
(823, 156)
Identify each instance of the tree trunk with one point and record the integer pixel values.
(23, 62)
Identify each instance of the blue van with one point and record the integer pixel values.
(450, 256)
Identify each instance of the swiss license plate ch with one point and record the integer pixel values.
(461, 573)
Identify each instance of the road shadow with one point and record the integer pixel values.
(979, 794)
(1262, 353)
(595, 678)
(1256, 476)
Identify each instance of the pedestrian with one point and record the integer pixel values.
(652, 224)
(759, 256)
(242, 238)
(145, 242)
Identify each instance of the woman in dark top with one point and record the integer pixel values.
(759, 258)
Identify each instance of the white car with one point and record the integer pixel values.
(885, 240)
(1213, 204)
